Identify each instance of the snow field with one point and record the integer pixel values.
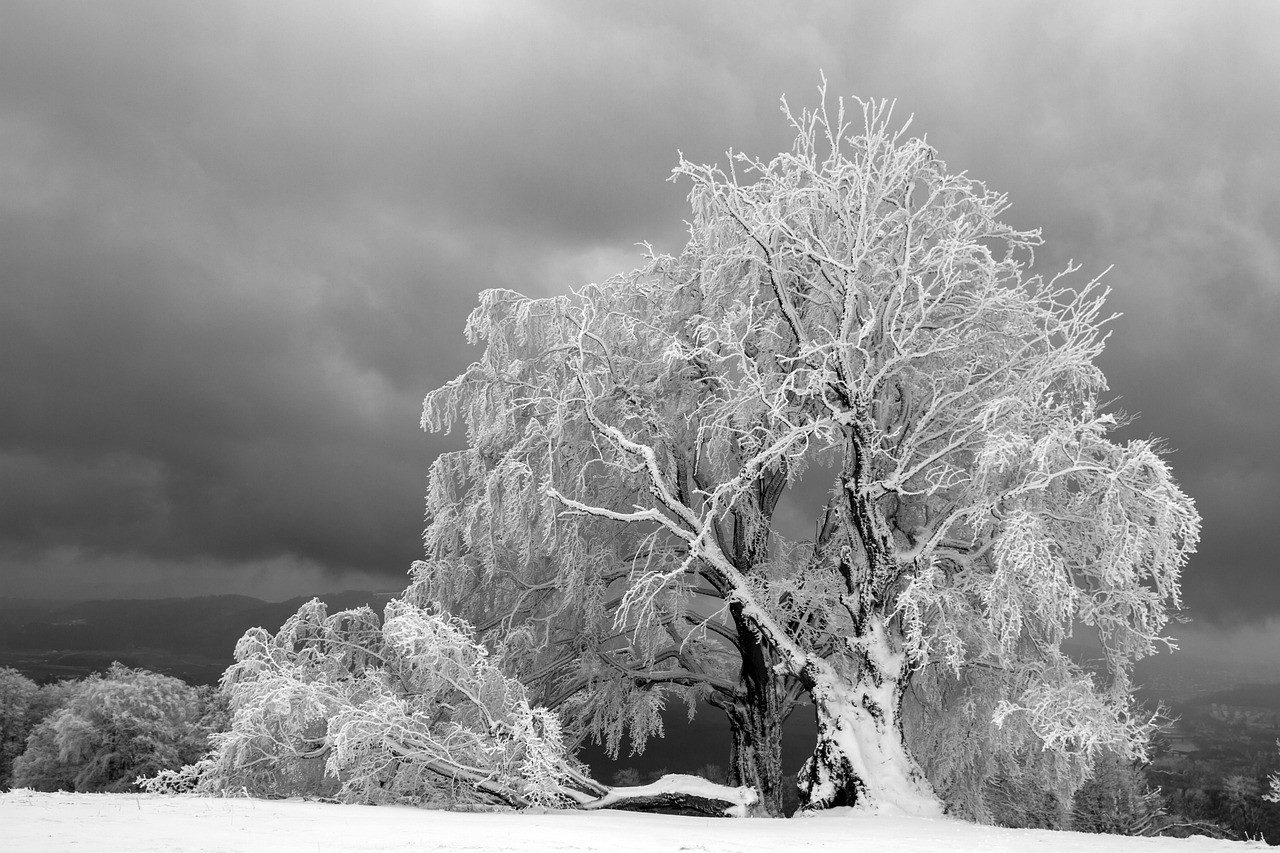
(32, 822)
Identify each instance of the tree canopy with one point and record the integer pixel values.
(852, 312)
(113, 727)
(16, 694)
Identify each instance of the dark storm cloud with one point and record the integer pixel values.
(238, 240)
(201, 367)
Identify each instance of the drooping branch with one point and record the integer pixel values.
(851, 310)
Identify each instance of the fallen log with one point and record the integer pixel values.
(679, 794)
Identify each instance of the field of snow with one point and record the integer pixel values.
(37, 823)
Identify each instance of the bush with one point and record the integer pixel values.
(16, 695)
(407, 708)
(112, 728)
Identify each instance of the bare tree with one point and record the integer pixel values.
(850, 311)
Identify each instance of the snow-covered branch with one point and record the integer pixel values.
(850, 310)
(406, 708)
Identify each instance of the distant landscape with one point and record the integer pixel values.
(1224, 721)
(188, 638)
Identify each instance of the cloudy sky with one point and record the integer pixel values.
(238, 241)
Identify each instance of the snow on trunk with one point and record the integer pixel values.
(681, 794)
(861, 758)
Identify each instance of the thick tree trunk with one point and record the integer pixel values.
(861, 758)
(755, 756)
(755, 720)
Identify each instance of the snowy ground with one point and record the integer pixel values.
(104, 823)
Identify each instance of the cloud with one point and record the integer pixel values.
(238, 240)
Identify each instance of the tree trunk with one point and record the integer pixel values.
(755, 756)
(755, 720)
(861, 758)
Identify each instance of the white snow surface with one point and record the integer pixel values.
(33, 822)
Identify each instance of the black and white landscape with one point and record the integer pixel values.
(856, 405)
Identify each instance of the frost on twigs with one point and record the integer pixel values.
(548, 585)
(848, 312)
(404, 708)
(113, 727)
(1273, 795)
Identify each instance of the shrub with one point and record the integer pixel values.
(113, 728)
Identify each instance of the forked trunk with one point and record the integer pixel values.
(861, 757)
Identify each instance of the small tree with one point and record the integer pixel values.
(113, 728)
(406, 708)
(848, 308)
(16, 693)
(1117, 800)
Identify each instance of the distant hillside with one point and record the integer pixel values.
(22, 605)
(191, 638)
(1246, 695)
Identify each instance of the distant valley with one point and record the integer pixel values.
(189, 638)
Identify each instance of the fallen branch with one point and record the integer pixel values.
(683, 795)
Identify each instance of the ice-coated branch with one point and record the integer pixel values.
(850, 313)
(425, 717)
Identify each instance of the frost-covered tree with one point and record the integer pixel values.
(546, 592)
(1273, 795)
(52, 697)
(982, 772)
(16, 693)
(113, 728)
(46, 700)
(406, 707)
(848, 311)
(1117, 800)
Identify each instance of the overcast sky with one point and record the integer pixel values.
(238, 241)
